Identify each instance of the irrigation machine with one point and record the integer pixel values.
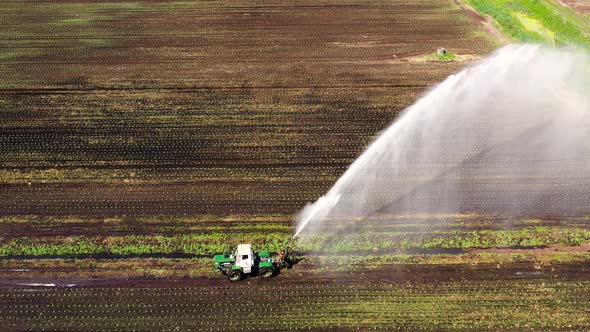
(246, 262)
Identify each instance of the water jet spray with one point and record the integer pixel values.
(510, 135)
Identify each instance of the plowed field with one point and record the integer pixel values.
(139, 138)
(224, 107)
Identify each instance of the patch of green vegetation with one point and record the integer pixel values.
(197, 244)
(15, 54)
(95, 7)
(534, 21)
(36, 30)
(9, 55)
(533, 237)
(533, 25)
(63, 247)
(448, 56)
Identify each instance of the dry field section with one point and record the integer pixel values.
(118, 113)
(174, 108)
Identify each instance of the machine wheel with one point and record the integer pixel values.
(266, 272)
(235, 275)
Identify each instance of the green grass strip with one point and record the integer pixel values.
(564, 27)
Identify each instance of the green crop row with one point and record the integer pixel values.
(219, 242)
(197, 244)
(376, 242)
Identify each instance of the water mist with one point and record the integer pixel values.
(509, 135)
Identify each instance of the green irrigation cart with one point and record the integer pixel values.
(245, 262)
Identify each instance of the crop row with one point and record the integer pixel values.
(197, 244)
(44, 227)
(364, 242)
(529, 237)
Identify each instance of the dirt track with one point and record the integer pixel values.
(304, 275)
(582, 6)
(440, 297)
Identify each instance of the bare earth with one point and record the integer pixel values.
(582, 6)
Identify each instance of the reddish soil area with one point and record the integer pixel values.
(582, 6)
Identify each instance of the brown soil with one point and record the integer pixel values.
(215, 89)
(581, 6)
(302, 275)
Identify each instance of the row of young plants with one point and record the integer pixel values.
(366, 242)
(375, 242)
